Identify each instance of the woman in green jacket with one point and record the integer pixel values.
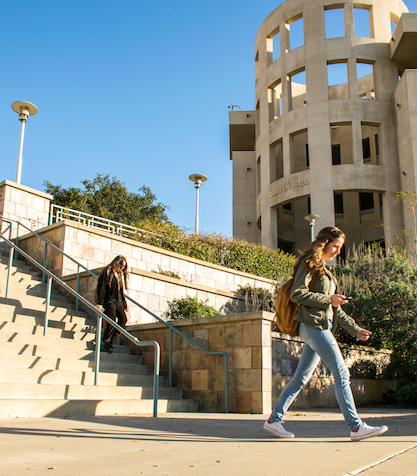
(315, 290)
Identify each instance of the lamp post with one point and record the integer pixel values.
(312, 221)
(24, 109)
(197, 179)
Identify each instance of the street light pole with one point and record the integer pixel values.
(312, 221)
(24, 109)
(197, 179)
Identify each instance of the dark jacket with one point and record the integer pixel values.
(106, 293)
(315, 304)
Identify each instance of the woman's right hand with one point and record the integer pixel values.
(99, 307)
(338, 299)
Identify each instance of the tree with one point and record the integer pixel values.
(108, 197)
(410, 200)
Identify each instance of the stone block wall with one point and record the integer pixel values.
(96, 248)
(245, 337)
(25, 204)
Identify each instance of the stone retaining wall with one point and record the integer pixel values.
(96, 248)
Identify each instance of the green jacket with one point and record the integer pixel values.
(315, 304)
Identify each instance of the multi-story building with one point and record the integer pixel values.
(334, 130)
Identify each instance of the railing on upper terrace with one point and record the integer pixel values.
(81, 268)
(59, 213)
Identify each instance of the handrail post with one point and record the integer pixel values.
(170, 358)
(157, 365)
(48, 301)
(98, 348)
(78, 286)
(9, 270)
(44, 261)
(226, 383)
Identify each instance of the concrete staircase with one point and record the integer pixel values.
(53, 375)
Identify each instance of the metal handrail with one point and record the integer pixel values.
(167, 324)
(59, 213)
(100, 315)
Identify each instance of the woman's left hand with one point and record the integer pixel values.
(363, 334)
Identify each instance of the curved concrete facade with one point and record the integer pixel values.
(321, 147)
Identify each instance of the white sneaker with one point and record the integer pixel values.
(277, 429)
(366, 431)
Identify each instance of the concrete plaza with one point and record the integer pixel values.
(207, 443)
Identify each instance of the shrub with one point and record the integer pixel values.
(407, 394)
(256, 299)
(217, 249)
(383, 288)
(189, 308)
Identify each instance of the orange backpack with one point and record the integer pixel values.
(285, 309)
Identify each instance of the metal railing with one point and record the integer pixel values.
(91, 306)
(100, 315)
(59, 213)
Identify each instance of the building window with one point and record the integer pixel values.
(273, 46)
(307, 156)
(362, 22)
(338, 203)
(298, 89)
(276, 161)
(334, 21)
(337, 79)
(366, 150)
(366, 82)
(336, 154)
(370, 144)
(299, 151)
(295, 27)
(287, 246)
(366, 201)
(275, 100)
(342, 143)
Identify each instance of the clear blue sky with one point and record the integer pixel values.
(135, 88)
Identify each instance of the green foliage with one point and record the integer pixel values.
(384, 300)
(407, 394)
(108, 197)
(256, 299)
(171, 274)
(236, 254)
(189, 308)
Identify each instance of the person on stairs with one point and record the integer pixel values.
(111, 298)
(319, 314)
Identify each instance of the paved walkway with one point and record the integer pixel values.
(182, 444)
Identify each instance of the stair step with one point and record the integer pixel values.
(53, 375)
(69, 323)
(120, 354)
(30, 408)
(12, 307)
(52, 331)
(79, 378)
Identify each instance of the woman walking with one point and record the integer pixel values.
(315, 290)
(111, 297)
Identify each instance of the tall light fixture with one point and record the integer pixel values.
(24, 109)
(197, 179)
(312, 221)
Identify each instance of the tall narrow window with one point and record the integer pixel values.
(342, 143)
(362, 22)
(273, 46)
(338, 203)
(337, 80)
(296, 27)
(276, 162)
(370, 146)
(334, 21)
(299, 151)
(275, 100)
(298, 88)
(366, 83)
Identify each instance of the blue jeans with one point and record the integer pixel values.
(319, 345)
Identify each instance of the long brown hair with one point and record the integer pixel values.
(312, 257)
(117, 268)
